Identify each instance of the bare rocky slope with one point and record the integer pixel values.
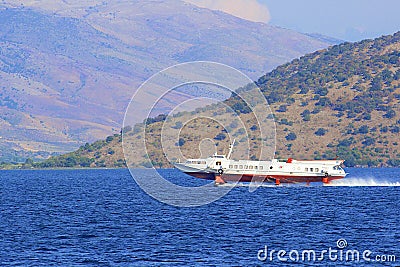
(69, 68)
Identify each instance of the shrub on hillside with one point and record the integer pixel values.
(291, 137)
(321, 132)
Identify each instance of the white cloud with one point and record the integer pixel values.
(245, 9)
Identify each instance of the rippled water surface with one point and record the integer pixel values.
(102, 218)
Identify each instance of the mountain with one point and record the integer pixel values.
(69, 68)
(324, 38)
(340, 102)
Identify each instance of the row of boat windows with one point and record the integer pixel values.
(196, 162)
(245, 167)
(312, 169)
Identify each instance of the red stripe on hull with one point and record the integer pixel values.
(269, 178)
(304, 179)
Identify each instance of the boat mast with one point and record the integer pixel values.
(231, 149)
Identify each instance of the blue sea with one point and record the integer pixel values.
(103, 218)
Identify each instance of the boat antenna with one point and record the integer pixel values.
(231, 149)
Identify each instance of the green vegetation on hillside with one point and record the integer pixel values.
(353, 86)
(342, 102)
(100, 154)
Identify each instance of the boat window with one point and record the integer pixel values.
(246, 167)
(255, 167)
(230, 166)
(203, 162)
(316, 170)
(261, 167)
(271, 167)
(250, 167)
(218, 163)
(311, 169)
(236, 167)
(240, 166)
(306, 170)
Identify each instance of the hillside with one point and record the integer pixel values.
(69, 68)
(341, 102)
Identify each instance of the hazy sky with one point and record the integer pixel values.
(246, 9)
(344, 19)
(350, 20)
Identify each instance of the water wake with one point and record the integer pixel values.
(364, 182)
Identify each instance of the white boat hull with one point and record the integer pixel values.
(275, 171)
